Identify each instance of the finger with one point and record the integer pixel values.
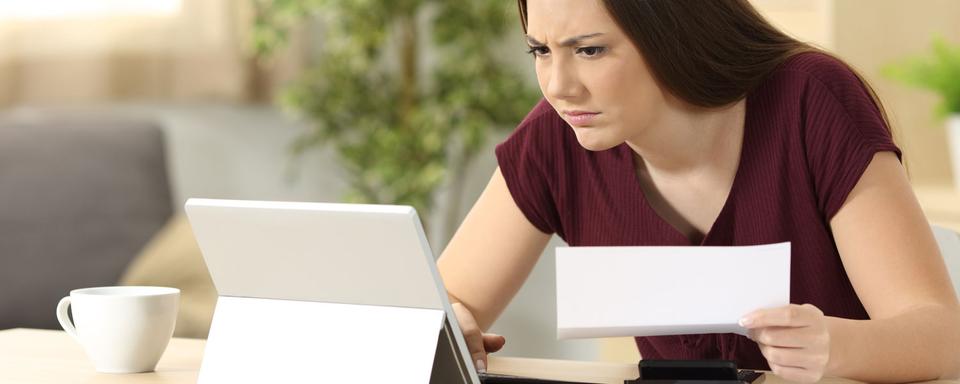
(471, 333)
(789, 357)
(783, 336)
(493, 342)
(795, 374)
(787, 316)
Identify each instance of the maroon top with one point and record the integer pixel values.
(811, 129)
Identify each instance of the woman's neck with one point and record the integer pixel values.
(686, 140)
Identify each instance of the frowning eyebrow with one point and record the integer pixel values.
(565, 43)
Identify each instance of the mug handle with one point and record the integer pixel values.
(62, 308)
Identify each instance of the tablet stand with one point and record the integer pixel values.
(255, 340)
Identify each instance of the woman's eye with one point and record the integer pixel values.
(538, 51)
(590, 51)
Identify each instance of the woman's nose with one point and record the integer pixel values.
(562, 81)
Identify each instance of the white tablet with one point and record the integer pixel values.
(318, 292)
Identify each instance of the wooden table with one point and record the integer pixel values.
(30, 356)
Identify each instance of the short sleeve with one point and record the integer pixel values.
(843, 130)
(522, 158)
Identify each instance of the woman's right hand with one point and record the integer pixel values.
(479, 343)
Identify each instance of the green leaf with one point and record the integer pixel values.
(939, 72)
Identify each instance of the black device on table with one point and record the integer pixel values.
(694, 371)
(660, 372)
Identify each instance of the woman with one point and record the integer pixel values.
(689, 122)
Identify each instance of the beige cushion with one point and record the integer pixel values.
(172, 259)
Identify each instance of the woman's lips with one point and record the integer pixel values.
(580, 118)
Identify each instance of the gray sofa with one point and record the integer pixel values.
(78, 200)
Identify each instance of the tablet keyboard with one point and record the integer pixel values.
(495, 378)
(743, 376)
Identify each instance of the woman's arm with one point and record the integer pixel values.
(488, 259)
(895, 266)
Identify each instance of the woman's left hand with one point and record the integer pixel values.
(794, 339)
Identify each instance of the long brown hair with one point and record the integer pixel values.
(707, 53)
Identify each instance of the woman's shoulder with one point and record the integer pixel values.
(531, 161)
(839, 125)
(822, 72)
(818, 83)
(542, 118)
(814, 64)
(542, 131)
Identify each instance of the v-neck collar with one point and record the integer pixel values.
(665, 226)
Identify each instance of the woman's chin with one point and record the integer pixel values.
(593, 141)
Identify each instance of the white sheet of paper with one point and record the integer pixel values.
(651, 291)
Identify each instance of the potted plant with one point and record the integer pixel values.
(406, 92)
(939, 72)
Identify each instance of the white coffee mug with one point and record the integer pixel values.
(123, 329)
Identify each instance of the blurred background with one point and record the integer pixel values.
(114, 112)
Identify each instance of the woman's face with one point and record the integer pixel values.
(591, 72)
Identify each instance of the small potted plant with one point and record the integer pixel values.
(939, 72)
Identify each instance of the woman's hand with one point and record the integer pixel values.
(479, 343)
(794, 339)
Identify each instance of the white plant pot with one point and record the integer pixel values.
(953, 138)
